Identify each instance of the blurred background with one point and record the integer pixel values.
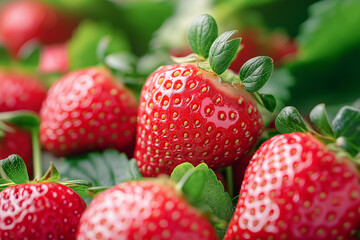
(315, 44)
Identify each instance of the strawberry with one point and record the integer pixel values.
(54, 59)
(20, 92)
(143, 210)
(39, 211)
(86, 110)
(10, 141)
(25, 22)
(296, 187)
(197, 112)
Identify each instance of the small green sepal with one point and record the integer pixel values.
(52, 175)
(289, 121)
(202, 33)
(15, 168)
(223, 51)
(319, 119)
(256, 72)
(268, 101)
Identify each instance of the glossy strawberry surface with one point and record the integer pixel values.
(188, 115)
(39, 211)
(143, 210)
(25, 22)
(17, 141)
(88, 110)
(20, 92)
(296, 188)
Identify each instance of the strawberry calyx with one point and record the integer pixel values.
(14, 169)
(215, 53)
(341, 135)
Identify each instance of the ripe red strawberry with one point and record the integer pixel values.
(39, 211)
(20, 92)
(188, 114)
(86, 110)
(143, 210)
(54, 59)
(297, 188)
(26, 21)
(16, 141)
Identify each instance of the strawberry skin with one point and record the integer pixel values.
(188, 115)
(20, 92)
(39, 211)
(86, 110)
(143, 210)
(27, 21)
(296, 188)
(17, 142)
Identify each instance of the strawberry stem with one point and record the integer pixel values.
(230, 181)
(37, 164)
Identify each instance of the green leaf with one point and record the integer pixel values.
(268, 101)
(52, 174)
(94, 191)
(319, 119)
(30, 56)
(79, 186)
(15, 169)
(289, 120)
(4, 183)
(5, 59)
(102, 169)
(331, 19)
(346, 125)
(213, 196)
(256, 72)
(83, 45)
(192, 184)
(23, 119)
(222, 52)
(202, 33)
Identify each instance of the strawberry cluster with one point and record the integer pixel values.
(194, 121)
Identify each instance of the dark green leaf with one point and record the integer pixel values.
(346, 124)
(222, 52)
(289, 120)
(213, 194)
(52, 174)
(319, 119)
(23, 119)
(331, 19)
(202, 33)
(269, 102)
(256, 72)
(102, 169)
(85, 40)
(123, 62)
(14, 167)
(79, 186)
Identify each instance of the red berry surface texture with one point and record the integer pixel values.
(39, 211)
(143, 210)
(187, 114)
(87, 110)
(295, 188)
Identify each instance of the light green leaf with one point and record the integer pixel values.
(79, 186)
